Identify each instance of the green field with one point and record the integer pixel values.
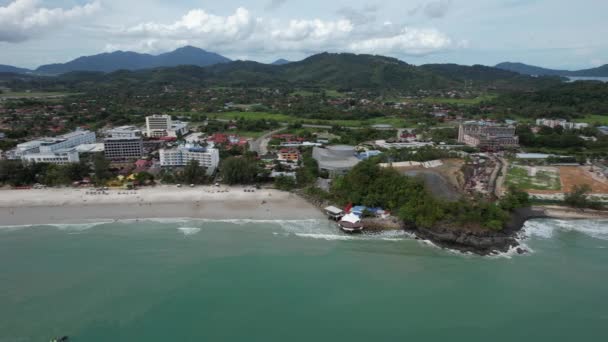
(592, 119)
(466, 102)
(395, 122)
(26, 95)
(543, 180)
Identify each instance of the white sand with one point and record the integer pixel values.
(21, 207)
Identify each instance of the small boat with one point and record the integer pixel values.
(351, 223)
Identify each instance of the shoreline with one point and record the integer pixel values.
(65, 206)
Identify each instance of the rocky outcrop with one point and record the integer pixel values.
(478, 242)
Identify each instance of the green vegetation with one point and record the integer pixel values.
(579, 198)
(16, 173)
(368, 184)
(543, 180)
(239, 170)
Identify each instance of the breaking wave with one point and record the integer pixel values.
(546, 229)
(187, 231)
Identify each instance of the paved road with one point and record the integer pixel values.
(260, 145)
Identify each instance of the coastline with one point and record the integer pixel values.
(66, 205)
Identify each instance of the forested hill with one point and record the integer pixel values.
(331, 71)
(568, 100)
(526, 69)
(109, 62)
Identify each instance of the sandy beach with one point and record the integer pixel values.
(50, 206)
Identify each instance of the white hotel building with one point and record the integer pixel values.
(180, 156)
(158, 126)
(57, 150)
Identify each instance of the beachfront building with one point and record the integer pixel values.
(117, 149)
(553, 123)
(180, 156)
(336, 160)
(158, 126)
(487, 135)
(61, 157)
(48, 146)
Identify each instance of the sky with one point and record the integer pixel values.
(551, 33)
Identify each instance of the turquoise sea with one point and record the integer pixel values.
(181, 280)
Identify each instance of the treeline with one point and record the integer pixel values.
(558, 138)
(568, 101)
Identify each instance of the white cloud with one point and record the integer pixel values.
(408, 41)
(21, 20)
(241, 33)
(150, 45)
(299, 30)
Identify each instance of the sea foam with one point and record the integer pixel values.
(546, 229)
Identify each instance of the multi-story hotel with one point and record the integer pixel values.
(45, 148)
(124, 143)
(180, 156)
(487, 135)
(158, 126)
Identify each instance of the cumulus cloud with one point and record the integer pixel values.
(21, 20)
(242, 33)
(408, 41)
(434, 9)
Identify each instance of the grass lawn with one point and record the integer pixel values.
(592, 119)
(24, 95)
(543, 180)
(396, 122)
(466, 102)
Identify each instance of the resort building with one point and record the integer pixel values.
(158, 126)
(289, 154)
(125, 132)
(336, 160)
(553, 123)
(49, 145)
(61, 157)
(487, 135)
(123, 148)
(180, 156)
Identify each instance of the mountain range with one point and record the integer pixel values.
(341, 71)
(532, 70)
(189, 55)
(126, 60)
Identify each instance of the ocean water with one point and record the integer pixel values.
(184, 280)
(574, 79)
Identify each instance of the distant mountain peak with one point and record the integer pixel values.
(129, 60)
(280, 61)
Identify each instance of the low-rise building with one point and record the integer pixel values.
(553, 123)
(289, 154)
(207, 157)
